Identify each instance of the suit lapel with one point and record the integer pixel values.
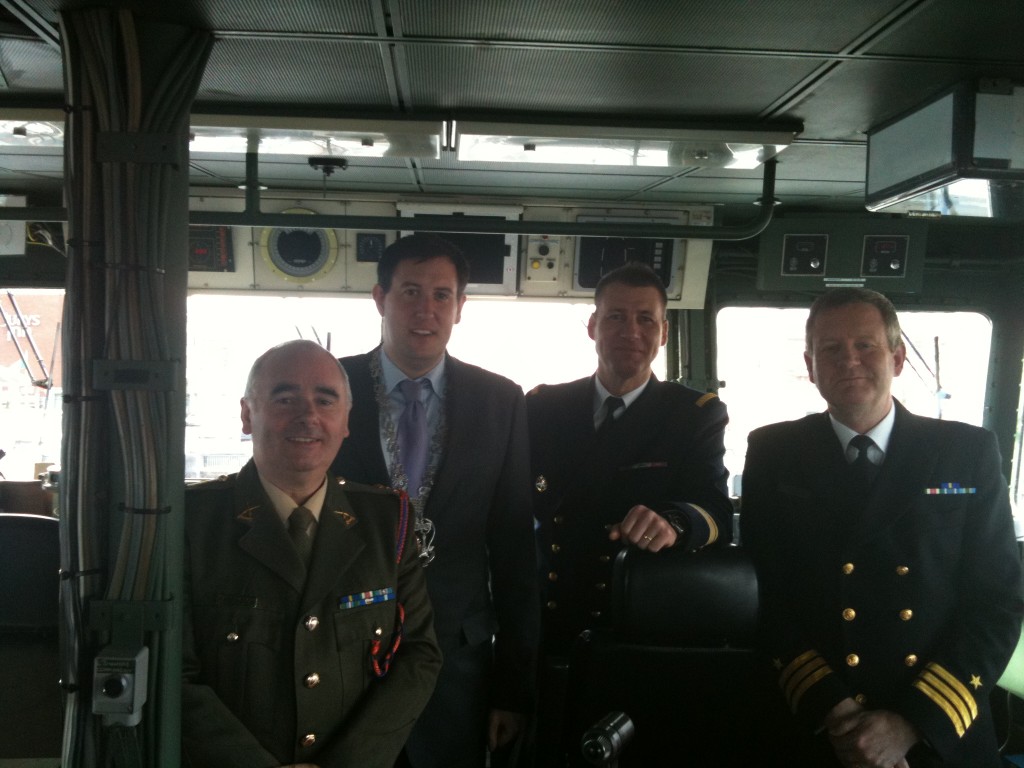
(631, 432)
(458, 414)
(337, 545)
(364, 424)
(822, 461)
(265, 538)
(904, 472)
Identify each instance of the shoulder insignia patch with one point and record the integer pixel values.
(246, 514)
(347, 517)
(705, 399)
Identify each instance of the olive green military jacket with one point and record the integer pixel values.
(282, 668)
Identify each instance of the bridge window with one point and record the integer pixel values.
(30, 381)
(760, 359)
(530, 342)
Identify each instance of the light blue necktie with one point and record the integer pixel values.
(412, 435)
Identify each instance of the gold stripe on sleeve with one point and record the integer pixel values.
(712, 525)
(800, 674)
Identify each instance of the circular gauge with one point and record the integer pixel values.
(299, 255)
(370, 246)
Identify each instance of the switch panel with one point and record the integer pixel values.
(543, 259)
(119, 685)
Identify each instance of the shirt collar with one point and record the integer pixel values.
(601, 393)
(284, 504)
(879, 434)
(393, 374)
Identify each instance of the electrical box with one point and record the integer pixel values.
(808, 254)
(120, 684)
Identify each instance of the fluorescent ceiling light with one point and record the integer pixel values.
(601, 146)
(32, 133)
(293, 136)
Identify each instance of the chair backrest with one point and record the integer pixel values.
(680, 663)
(25, 497)
(697, 599)
(29, 571)
(31, 701)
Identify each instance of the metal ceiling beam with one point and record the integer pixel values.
(253, 217)
(31, 18)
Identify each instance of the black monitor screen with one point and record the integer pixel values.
(598, 256)
(485, 252)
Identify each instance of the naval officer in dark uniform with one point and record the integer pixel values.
(308, 633)
(621, 458)
(618, 458)
(885, 552)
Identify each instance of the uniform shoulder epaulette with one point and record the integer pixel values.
(224, 481)
(704, 399)
(351, 486)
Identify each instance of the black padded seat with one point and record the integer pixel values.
(31, 701)
(679, 661)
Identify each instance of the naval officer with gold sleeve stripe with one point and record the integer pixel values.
(618, 459)
(884, 545)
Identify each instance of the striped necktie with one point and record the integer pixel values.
(412, 435)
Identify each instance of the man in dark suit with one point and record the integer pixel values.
(308, 634)
(472, 500)
(618, 458)
(884, 544)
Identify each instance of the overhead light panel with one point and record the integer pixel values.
(617, 146)
(961, 154)
(315, 137)
(32, 129)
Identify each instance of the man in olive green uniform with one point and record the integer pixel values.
(308, 631)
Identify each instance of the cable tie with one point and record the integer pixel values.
(77, 241)
(144, 511)
(130, 267)
(81, 398)
(68, 575)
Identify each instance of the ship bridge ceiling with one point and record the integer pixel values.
(657, 103)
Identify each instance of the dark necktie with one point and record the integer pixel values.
(611, 404)
(299, 523)
(864, 469)
(412, 436)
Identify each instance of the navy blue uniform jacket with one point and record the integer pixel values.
(911, 602)
(665, 451)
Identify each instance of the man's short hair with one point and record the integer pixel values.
(419, 247)
(635, 274)
(260, 362)
(841, 297)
